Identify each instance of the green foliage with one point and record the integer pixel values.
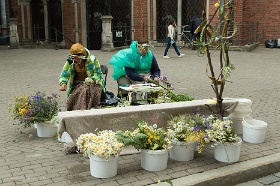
(139, 141)
(180, 97)
(145, 137)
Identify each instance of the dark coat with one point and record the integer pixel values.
(194, 23)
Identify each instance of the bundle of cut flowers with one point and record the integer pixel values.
(167, 95)
(145, 136)
(188, 128)
(37, 107)
(220, 130)
(104, 144)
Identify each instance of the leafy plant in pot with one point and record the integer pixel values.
(226, 142)
(38, 108)
(153, 143)
(186, 131)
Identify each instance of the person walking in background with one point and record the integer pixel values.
(194, 23)
(171, 39)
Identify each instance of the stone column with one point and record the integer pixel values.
(3, 12)
(179, 20)
(22, 20)
(132, 20)
(107, 37)
(76, 20)
(28, 19)
(46, 20)
(84, 22)
(14, 41)
(154, 21)
(149, 20)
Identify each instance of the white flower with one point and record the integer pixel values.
(103, 144)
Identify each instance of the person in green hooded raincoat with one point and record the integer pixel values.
(134, 65)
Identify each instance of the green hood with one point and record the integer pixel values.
(130, 57)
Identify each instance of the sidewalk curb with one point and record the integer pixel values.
(233, 173)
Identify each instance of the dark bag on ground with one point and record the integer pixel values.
(109, 99)
(271, 43)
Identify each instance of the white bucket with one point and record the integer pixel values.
(182, 151)
(243, 102)
(254, 130)
(241, 112)
(65, 138)
(237, 125)
(102, 168)
(228, 152)
(46, 129)
(154, 160)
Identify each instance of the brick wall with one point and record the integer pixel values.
(140, 20)
(68, 17)
(267, 13)
(246, 12)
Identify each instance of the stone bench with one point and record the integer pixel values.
(80, 122)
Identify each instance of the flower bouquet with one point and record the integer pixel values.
(37, 107)
(152, 141)
(220, 130)
(226, 142)
(104, 144)
(188, 128)
(145, 137)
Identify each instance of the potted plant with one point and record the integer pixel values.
(226, 142)
(153, 143)
(186, 131)
(39, 109)
(103, 149)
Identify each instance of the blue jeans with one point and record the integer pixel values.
(168, 46)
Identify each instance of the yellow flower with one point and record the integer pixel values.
(217, 5)
(22, 111)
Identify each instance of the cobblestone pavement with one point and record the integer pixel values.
(26, 159)
(273, 180)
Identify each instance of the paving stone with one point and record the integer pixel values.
(267, 180)
(24, 71)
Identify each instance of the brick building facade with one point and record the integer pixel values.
(68, 21)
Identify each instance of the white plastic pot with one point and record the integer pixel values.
(182, 151)
(46, 129)
(102, 168)
(228, 152)
(243, 102)
(65, 138)
(154, 160)
(254, 130)
(237, 125)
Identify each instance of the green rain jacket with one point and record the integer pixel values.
(130, 57)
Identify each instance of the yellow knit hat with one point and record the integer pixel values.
(77, 49)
